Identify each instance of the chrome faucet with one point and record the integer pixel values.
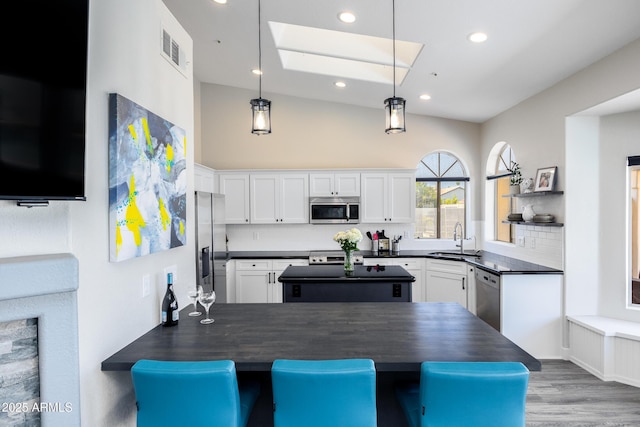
(455, 236)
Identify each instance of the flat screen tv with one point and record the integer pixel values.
(43, 75)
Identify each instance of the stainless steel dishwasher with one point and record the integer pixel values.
(488, 297)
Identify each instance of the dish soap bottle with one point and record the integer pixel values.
(170, 312)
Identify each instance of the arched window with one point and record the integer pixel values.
(504, 205)
(441, 189)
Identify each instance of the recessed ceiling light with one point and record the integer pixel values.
(477, 37)
(347, 17)
(256, 71)
(340, 84)
(425, 97)
(220, 1)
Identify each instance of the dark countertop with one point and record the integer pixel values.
(397, 336)
(335, 273)
(487, 260)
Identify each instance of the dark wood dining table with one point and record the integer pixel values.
(398, 337)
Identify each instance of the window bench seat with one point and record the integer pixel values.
(606, 347)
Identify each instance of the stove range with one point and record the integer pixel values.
(332, 257)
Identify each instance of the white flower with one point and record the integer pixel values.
(349, 239)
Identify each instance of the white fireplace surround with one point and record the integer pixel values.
(45, 287)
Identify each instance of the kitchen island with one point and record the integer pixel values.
(330, 283)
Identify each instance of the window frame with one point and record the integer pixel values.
(633, 233)
(505, 158)
(439, 180)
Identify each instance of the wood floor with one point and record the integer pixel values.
(560, 395)
(565, 395)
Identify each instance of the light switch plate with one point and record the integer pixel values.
(146, 285)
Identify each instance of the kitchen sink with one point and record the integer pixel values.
(457, 254)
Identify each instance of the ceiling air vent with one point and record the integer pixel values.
(171, 52)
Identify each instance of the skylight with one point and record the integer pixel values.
(348, 55)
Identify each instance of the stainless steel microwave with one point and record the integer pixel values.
(334, 210)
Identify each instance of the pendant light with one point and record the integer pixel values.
(394, 107)
(260, 108)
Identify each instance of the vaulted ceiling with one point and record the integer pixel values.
(306, 49)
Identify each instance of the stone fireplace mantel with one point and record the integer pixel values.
(45, 287)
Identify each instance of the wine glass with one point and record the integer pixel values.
(207, 299)
(194, 294)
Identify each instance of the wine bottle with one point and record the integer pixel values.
(169, 304)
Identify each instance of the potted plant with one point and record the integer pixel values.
(516, 178)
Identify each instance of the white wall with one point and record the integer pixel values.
(124, 57)
(318, 135)
(619, 138)
(536, 129)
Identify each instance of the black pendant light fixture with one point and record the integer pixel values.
(394, 107)
(260, 108)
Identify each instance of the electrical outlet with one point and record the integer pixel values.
(532, 243)
(256, 235)
(521, 241)
(406, 235)
(146, 285)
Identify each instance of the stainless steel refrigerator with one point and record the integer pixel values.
(211, 243)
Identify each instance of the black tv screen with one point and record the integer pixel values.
(43, 75)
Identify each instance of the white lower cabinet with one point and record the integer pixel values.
(414, 266)
(256, 280)
(471, 288)
(531, 312)
(446, 281)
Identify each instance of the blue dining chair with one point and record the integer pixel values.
(199, 393)
(324, 393)
(462, 394)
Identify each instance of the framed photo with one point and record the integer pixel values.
(546, 179)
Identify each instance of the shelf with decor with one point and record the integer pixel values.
(543, 224)
(535, 194)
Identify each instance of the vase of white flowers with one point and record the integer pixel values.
(348, 241)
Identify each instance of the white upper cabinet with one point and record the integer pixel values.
(388, 197)
(203, 178)
(235, 187)
(279, 198)
(323, 184)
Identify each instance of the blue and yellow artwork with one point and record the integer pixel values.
(147, 181)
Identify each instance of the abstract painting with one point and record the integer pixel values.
(147, 181)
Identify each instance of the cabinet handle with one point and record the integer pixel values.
(463, 283)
